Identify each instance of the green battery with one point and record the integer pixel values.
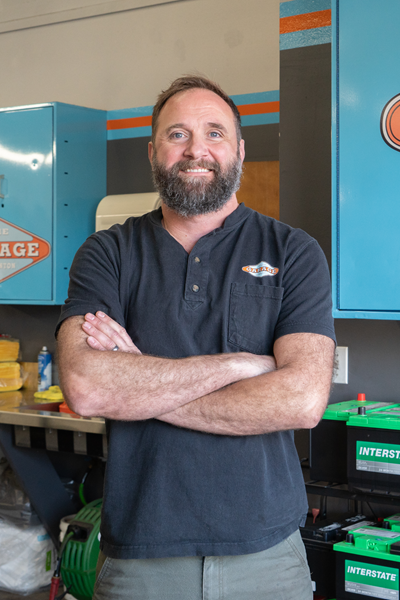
(368, 564)
(374, 449)
(392, 522)
(328, 440)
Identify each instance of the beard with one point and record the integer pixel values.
(190, 196)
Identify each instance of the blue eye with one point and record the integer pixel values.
(177, 135)
(215, 134)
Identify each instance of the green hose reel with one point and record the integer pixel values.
(79, 558)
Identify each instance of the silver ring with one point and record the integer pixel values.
(115, 348)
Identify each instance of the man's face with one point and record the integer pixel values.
(196, 157)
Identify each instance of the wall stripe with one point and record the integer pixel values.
(256, 97)
(321, 18)
(299, 39)
(299, 7)
(304, 23)
(132, 132)
(128, 123)
(128, 113)
(265, 119)
(260, 108)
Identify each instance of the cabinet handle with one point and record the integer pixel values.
(1, 195)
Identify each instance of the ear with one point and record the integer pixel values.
(151, 152)
(241, 150)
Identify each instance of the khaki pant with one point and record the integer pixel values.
(279, 573)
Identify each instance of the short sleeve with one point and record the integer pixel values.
(94, 280)
(307, 301)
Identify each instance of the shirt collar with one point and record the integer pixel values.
(231, 221)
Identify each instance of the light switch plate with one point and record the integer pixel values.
(341, 366)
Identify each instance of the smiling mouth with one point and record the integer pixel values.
(199, 170)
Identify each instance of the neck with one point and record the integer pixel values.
(188, 230)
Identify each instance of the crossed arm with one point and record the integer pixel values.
(227, 394)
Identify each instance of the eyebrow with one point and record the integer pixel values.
(183, 126)
(218, 126)
(175, 126)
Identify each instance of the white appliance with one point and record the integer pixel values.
(117, 208)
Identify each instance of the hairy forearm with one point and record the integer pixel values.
(250, 407)
(292, 397)
(131, 386)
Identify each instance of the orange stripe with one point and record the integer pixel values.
(244, 109)
(128, 123)
(258, 109)
(312, 20)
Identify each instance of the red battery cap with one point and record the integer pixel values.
(361, 397)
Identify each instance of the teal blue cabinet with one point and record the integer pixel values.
(52, 176)
(366, 159)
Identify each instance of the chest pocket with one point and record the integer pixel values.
(253, 314)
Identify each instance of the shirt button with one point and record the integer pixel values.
(197, 259)
(195, 288)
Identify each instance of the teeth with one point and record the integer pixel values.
(197, 170)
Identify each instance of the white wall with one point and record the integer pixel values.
(123, 60)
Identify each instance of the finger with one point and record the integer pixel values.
(121, 331)
(99, 339)
(116, 335)
(94, 344)
(106, 326)
(116, 326)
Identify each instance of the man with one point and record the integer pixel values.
(203, 333)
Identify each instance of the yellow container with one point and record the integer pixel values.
(9, 350)
(10, 376)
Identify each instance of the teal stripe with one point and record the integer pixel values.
(310, 37)
(300, 7)
(255, 98)
(264, 119)
(129, 113)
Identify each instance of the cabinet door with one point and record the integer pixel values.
(366, 183)
(26, 211)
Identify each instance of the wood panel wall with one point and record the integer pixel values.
(260, 187)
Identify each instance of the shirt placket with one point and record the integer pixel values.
(197, 274)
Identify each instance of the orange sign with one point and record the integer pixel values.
(390, 123)
(19, 249)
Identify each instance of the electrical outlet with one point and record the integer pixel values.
(341, 366)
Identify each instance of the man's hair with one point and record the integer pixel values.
(190, 82)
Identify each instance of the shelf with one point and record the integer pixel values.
(341, 490)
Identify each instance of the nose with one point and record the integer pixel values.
(196, 147)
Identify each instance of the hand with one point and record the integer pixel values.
(105, 334)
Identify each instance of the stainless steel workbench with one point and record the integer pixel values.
(20, 408)
(28, 432)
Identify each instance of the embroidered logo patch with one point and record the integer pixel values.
(261, 270)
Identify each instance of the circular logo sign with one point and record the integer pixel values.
(390, 123)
